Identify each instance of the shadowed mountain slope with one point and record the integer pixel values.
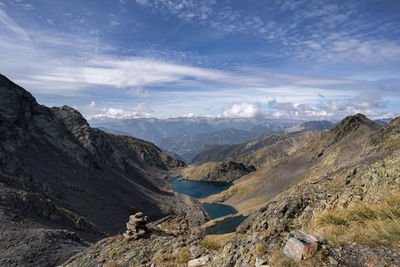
(62, 180)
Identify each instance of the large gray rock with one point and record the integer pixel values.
(196, 251)
(303, 236)
(199, 262)
(260, 262)
(301, 245)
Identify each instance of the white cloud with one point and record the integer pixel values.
(27, 6)
(140, 72)
(369, 104)
(114, 23)
(190, 10)
(189, 115)
(243, 110)
(13, 26)
(368, 100)
(139, 92)
(92, 105)
(142, 110)
(353, 50)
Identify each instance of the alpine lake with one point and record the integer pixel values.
(203, 189)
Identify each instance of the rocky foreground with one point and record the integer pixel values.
(343, 209)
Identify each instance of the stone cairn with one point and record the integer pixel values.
(136, 226)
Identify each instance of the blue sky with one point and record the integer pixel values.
(117, 59)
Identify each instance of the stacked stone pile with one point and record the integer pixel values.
(136, 226)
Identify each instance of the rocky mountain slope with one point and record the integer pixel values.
(349, 199)
(64, 184)
(214, 153)
(342, 186)
(224, 171)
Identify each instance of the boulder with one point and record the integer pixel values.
(303, 236)
(199, 262)
(260, 262)
(196, 251)
(301, 245)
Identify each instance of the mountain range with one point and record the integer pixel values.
(186, 138)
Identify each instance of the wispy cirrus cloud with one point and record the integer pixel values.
(11, 25)
(139, 92)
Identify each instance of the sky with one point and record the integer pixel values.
(119, 59)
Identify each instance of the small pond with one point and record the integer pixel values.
(227, 226)
(218, 210)
(198, 189)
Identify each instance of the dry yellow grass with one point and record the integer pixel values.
(219, 239)
(252, 203)
(209, 244)
(183, 256)
(279, 259)
(374, 224)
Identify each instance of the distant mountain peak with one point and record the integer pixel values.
(353, 122)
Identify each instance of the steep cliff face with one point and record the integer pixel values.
(57, 173)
